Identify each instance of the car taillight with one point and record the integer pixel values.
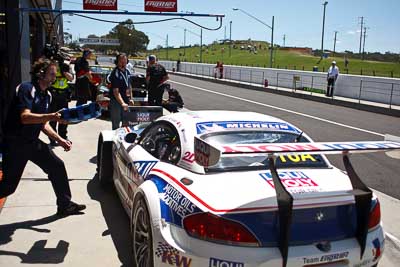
(213, 228)
(375, 214)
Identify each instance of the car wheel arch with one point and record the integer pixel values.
(148, 190)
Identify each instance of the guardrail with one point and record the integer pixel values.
(359, 88)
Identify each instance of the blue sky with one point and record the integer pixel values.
(300, 21)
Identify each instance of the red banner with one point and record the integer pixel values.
(161, 5)
(100, 4)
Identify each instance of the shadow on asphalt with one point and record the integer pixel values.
(116, 219)
(38, 253)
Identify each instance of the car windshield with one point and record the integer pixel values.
(257, 161)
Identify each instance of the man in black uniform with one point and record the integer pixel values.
(174, 101)
(28, 115)
(156, 75)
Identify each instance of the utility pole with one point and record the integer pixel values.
(230, 38)
(184, 42)
(166, 40)
(201, 45)
(334, 43)
(365, 34)
(284, 40)
(323, 29)
(362, 24)
(225, 33)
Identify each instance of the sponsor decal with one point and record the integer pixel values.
(297, 158)
(143, 116)
(176, 201)
(171, 256)
(218, 126)
(144, 167)
(366, 262)
(327, 258)
(376, 251)
(214, 262)
(294, 181)
(316, 147)
(161, 5)
(100, 4)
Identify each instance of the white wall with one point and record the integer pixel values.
(376, 89)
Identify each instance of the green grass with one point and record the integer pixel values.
(282, 60)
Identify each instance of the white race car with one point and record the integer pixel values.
(236, 189)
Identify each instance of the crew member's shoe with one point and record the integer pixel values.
(71, 209)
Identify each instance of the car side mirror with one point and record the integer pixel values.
(130, 137)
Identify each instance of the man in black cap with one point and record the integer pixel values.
(28, 116)
(156, 75)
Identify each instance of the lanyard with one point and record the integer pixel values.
(125, 76)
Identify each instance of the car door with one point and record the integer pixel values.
(159, 142)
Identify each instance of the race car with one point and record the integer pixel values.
(228, 188)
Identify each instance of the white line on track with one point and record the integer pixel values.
(282, 109)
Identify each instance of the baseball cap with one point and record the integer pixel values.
(152, 57)
(86, 52)
(333, 62)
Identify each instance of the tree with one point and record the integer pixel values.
(131, 40)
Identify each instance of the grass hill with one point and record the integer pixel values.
(282, 59)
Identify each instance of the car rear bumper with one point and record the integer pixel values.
(179, 249)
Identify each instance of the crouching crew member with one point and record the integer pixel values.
(27, 117)
(61, 94)
(174, 101)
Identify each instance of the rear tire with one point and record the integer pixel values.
(142, 236)
(104, 163)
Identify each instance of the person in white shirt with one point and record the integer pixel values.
(333, 73)
(129, 66)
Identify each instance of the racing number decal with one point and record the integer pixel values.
(189, 157)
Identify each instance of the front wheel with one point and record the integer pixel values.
(142, 237)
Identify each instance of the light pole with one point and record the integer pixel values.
(162, 38)
(263, 23)
(199, 35)
(323, 29)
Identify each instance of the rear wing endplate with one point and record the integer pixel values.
(208, 155)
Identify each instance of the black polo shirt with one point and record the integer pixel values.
(120, 79)
(28, 96)
(156, 72)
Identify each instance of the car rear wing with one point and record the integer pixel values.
(208, 155)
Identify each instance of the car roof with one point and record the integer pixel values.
(197, 123)
(211, 120)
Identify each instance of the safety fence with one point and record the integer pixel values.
(361, 88)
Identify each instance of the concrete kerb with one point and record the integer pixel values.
(332, 101)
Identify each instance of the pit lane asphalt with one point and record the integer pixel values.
(377, 170)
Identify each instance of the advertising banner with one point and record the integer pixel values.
(161, 5)
(100, 4)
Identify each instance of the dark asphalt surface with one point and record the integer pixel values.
(376, 169)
